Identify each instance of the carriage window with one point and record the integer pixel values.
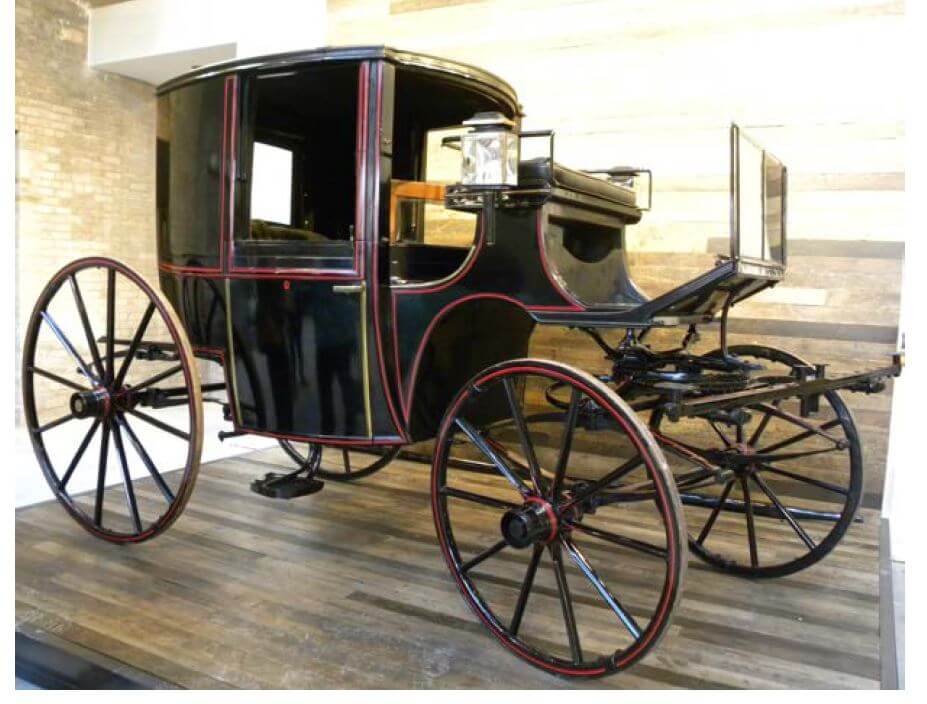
(189, 159)
(428, 241)
(298, 163)
(418, 212)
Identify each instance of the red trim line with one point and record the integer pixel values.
(223, 184)
(229, 233)
(354, 274)
(360, 168)
(375, 279)
(468, 264)
(406, 399)
(192, 270)
(551, 515)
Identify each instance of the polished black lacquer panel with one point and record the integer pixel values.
(297, 348)
(191, 121)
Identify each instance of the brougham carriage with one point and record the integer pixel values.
(358, 238)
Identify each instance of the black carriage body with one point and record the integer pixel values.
(327, 327)
(311, 245)
(321, 340)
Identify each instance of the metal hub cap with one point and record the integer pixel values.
(90, 404)
(533, 522)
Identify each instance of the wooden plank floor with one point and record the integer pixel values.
(347, 588)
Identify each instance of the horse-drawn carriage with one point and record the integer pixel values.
(356, 237)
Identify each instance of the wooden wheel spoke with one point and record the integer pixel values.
(63, 482)
(110, 324)
(762, 426)
(566, 603)
(524, 438)
(685, 451)
(751, 528)
(127, 480)
(69, 348)
(713, 516)
(566, 444)
(55, 423)
(477, 498)
(146, 460)
(720, 433)
(603, 482)
(821, 484)
(622, 613)
(621, 540)
(488, 552)
(786, 514)
(808, 432)
(346, 458)
(101, 477)
(133, 346)
(160, 425)
(477, 439)
(525, 591)
(158, 377)
(85, 322)
(60, 379)
(764, 457)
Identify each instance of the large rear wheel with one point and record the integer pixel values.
(793, 485)
(101, 346)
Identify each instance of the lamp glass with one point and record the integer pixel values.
(490, 158)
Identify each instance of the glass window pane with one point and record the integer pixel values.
(272, 184)
(773, 175)
(189, 170)
(751, 200)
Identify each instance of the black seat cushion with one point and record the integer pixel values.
(536, 173)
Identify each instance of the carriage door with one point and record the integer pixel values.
(295, 287)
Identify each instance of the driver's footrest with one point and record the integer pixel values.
(284, 486)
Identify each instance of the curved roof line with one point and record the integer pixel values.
(346, 54)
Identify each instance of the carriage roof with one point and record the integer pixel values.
(446, 69)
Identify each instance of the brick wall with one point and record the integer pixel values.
(85, 152)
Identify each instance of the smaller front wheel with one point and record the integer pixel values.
(571, 548)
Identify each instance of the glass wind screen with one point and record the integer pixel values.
(760, 194)
(774, 187)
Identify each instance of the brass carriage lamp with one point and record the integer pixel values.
(489, 151)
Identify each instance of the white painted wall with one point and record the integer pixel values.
(154, 40)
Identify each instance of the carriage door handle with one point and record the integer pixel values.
(349, 288)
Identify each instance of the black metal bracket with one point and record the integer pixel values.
(816, 383)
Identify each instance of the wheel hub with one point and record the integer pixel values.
(534, 522)
(739, 458)
(94, 403)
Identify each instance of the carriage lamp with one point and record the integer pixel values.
(489, 151)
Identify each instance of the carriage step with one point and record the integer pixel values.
(284, 486)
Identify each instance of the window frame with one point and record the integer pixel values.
(316, 266)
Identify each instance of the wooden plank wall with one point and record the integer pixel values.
(656, 83)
